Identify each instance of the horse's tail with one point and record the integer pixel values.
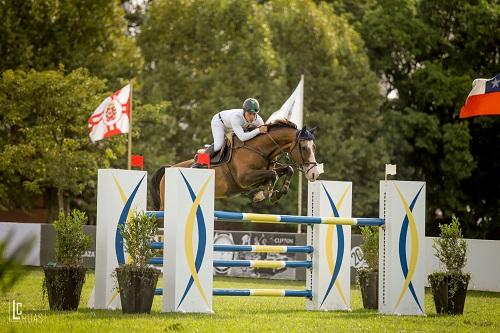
(155, 186)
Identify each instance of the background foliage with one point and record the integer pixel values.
(209, 58)
(384, 82)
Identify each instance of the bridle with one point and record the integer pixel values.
(301, 167)
(303, 163)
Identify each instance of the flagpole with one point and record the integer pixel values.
(129, 155)
(299, 194)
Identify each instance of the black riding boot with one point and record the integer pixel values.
(210, 151)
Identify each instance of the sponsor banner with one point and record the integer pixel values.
(259, 238)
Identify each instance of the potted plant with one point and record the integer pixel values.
(449, 288)
(64, 280)
(368, 276)
(137, 279)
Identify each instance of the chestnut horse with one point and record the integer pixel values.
(253, 167)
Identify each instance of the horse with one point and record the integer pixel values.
(253, 167)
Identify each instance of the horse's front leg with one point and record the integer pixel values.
(256, 178)
(287, 171)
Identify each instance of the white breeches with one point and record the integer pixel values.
(218, 132)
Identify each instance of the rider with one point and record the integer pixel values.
(235, 120)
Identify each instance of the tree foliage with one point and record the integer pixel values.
(429, 52)
(209, 56)
(43, 34)
(44, 145)
(204, 58)
(341, 95)
(201, 57)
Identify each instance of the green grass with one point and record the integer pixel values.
(240, 314)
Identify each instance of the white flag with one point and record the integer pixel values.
(292, 109)
(112, 116)
(390, 169)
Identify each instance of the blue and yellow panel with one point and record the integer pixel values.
(331, 265)
(403, 285)
(188, 228)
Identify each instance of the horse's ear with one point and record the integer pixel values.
(313, 130)
(302, 131)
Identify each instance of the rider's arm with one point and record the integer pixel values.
(240, 133)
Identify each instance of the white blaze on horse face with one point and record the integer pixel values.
(313, 173)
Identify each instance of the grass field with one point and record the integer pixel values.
(240, 314)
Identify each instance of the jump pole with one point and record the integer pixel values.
(402, 207)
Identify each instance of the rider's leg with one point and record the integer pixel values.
(218, 131)
(218, 135)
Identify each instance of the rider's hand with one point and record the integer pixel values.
(263, 129)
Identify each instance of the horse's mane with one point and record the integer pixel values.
(280, 123)
(302, 134)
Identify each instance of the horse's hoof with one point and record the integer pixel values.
(259, 196)
(285, 190)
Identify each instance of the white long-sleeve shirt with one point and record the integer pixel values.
(234, 121)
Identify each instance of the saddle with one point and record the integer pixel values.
(222, 156)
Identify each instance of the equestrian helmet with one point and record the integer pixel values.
(251, 105)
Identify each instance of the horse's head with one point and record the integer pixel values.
(302, 153)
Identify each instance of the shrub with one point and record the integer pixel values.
(138, 233)
(370, 246)
(451, 248)
(71, 241)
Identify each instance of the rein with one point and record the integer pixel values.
(290, 160)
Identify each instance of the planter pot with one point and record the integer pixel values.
(137, 288)
(64, 286)
(368, 283)
(449, 292)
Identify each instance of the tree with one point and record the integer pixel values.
(208, 56)
(204, 57)
(44, 143)
(341, 93)
(429, 52)
(42, 35)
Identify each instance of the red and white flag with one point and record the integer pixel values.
(484, 98)
(112, 116)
